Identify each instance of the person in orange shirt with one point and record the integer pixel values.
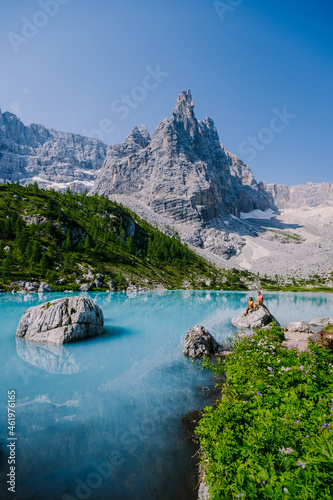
(250, 306)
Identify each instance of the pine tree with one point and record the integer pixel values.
(130, 245)
(35, 188)
(36, 253)
(44, 265)
(87, 243)
(6, 266)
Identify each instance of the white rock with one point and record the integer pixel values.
(86, 287)
(203, 491)
(89, 276)
(62, 320)
(97, 284)
(319, 322)
(44, 287)
(300, 327)
(31, 287)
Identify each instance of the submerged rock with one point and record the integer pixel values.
(62, 320)
(199, 342)
(255, 318)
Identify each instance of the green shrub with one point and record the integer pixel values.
(271, 435)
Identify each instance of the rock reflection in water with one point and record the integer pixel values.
(49, 357)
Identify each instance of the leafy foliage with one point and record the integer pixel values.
(271, 435)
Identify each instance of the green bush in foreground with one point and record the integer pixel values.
(271, 435)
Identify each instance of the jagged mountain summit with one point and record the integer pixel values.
(182, 170)
(184, 175)
(53, 159)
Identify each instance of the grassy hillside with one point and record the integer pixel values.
(59, 237)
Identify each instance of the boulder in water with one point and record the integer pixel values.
(62, 320)
(255, 318)
(199, 343)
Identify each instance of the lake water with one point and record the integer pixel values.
(101, 418)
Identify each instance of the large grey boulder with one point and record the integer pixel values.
(199, 342)
(254, 319)
(62, 320)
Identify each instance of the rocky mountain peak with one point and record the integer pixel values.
(144, 132)
(183, 113)
(138, 138)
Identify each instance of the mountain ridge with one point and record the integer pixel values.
(30, 153)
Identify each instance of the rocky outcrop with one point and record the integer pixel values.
(299, 327)
(199, 343)
(62, 320)
(298, 334)
(44, 287)
(31, 287)
(255, 318)
(324, 338)
(53, 159)
(321, 322)
(86, 287)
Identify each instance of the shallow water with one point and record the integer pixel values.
(100, 419)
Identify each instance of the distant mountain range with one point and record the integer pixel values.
(184, 181)
(53, 159)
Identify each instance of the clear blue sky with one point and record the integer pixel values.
(241, 62)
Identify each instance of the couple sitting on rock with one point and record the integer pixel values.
(254, 306)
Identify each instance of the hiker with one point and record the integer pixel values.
(259, 301)
(250, 306)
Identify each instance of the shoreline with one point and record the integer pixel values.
(137, 289)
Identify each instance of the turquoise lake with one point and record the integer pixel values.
(101, 418)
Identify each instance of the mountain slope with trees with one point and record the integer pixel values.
(61, 238)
